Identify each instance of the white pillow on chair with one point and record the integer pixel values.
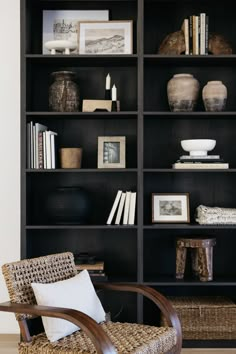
(76, 293)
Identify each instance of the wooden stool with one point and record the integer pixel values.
(201, 254)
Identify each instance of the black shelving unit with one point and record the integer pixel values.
(143, 253)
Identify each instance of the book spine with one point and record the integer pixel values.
(53, 151)
(207, 35)
(202, 33)
(186, 35)
(114, 207)
(132, 208)
(40, 150)
(48, 150)
(126, 211)
(44, 151)
(34, 145)
(190, 34)
(28, 146)
(120, 209)
(195, 36)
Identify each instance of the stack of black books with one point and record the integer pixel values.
(214, 162)
(94, 267)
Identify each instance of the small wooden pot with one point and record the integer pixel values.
(71, 157)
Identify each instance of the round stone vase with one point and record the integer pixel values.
(64, 92)
(68, 205)
(182, 91)
(214, 96)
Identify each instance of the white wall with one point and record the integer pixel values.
(9, 146)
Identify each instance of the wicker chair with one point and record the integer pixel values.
(105, 338)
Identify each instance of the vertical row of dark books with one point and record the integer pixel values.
(196, 34)
(41, 147)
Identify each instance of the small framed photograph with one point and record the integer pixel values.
(111, 151)
(105, 37)
(170, 208)
(63, 24)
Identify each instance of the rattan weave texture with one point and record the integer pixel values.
(206, 317)
(48, 269)
(127, 338)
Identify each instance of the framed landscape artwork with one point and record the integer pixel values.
(111, 152)
(170, 208)
(105, 37)
(63, 24)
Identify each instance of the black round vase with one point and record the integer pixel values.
(68, 205)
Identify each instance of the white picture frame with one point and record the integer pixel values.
(105, 37)
(53, 19)
(111, 151)
(170, 208)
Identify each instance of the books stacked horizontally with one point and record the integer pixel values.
(196, 33)
(95, 270)
(200, 162)
(124, 207)
(41, 152)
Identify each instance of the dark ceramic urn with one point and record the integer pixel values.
(68, 205)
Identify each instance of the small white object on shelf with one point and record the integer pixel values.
(198, 147)
(108, 82)
(114, 93)
(63, 46)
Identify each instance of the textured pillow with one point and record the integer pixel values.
(76, 293)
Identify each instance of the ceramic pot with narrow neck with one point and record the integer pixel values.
(214, 95)
(182, 91)
(64, 92)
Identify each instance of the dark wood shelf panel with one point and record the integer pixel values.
(83, 60)
(189, 115)
(83, 170)
(172, 170)
(157, 59)
(84, 115)
(165, 281)
(79, 227)
(187, 227)
(222, 343)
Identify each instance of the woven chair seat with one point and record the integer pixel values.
(126, 337)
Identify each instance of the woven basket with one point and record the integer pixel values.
(206, 317)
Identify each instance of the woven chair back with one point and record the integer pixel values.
(48, 269)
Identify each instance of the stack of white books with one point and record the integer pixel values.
(200, 162)
(41, 152)
(124, 207)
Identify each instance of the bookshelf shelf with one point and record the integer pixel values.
(80, 227)
(188, 227)
(83, 170)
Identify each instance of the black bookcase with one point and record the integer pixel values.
(142, 253)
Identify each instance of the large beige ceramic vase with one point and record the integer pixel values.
(182, 91)
(214, 96)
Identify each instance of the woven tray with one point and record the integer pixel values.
(206, 317)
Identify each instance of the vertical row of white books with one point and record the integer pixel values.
(41, 152)
(124, 204)
(196, 33)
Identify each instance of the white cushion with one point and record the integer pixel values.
(76, 293)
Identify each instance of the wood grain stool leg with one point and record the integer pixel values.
(205, 262)
(181, 253)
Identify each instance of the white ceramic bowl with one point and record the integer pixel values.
(198, 147)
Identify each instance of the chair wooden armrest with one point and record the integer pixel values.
(95, 332)
(161, 301)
